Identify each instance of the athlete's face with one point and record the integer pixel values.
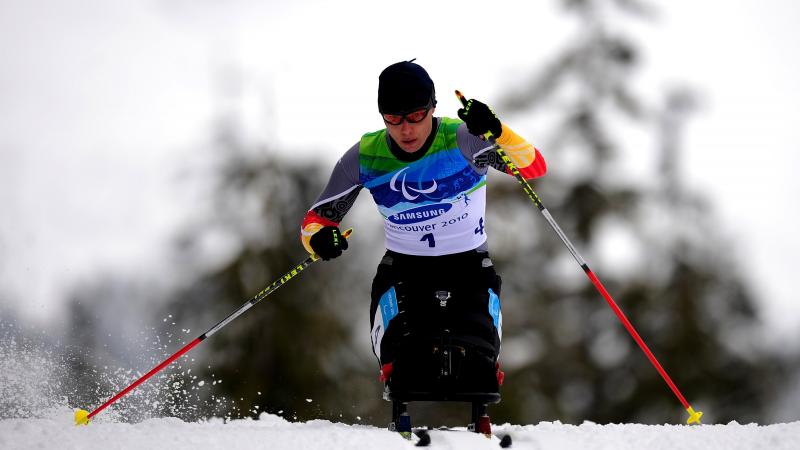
(411, 136)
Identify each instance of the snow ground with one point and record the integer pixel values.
(34, 415)
(56, 429)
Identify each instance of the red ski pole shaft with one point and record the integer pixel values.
(635, 335)
(144, 378)
(694, 416)
(82, 417)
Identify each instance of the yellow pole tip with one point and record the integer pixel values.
(81, 417)
(694, 416)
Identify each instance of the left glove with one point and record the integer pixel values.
(480, 119)
(328, 243)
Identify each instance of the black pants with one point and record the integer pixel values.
(431, 301)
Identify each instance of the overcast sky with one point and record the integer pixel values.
(102, 103)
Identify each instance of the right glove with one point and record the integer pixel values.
(328, 243)
(480, 119)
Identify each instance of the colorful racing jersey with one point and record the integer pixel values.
(433, 201)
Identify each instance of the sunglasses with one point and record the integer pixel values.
(412, 117)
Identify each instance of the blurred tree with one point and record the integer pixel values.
(654, 244)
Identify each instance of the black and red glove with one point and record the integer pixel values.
(480, 119)
(328, 243)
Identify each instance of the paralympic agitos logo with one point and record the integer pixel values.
(405, 190)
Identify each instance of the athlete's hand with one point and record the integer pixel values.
(328, 243)
(480, 118)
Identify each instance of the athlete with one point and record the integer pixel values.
(435, 287)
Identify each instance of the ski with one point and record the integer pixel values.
(424, 436)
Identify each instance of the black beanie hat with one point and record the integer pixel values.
(404, 87)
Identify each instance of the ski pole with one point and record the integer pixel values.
(694, 416)
(82, 417)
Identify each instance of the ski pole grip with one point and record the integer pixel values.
(461, 98)
(464, 102)
(486, 137)
(346, 233)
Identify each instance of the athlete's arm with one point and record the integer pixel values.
(482, 154)
(335, 200)
(480, 119)
(525, 156)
